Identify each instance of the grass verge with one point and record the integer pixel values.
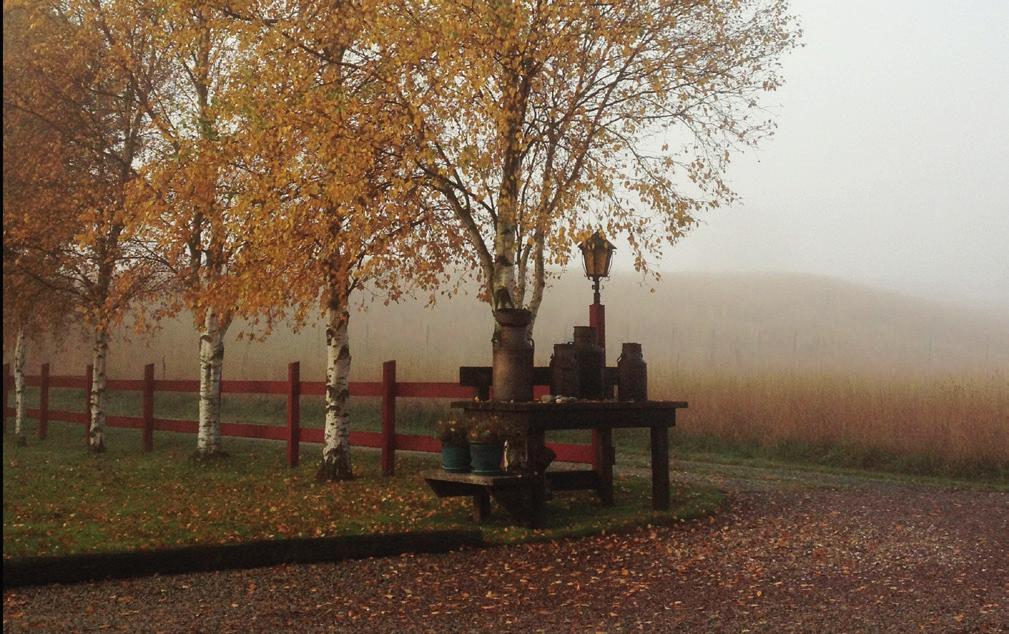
(59, 499)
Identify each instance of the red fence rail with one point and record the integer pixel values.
(388, 389)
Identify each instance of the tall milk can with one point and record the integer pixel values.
(591, 363)
(632, 374)
(513, 356)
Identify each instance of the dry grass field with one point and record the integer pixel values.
(927, 424)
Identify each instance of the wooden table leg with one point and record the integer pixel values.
(596, 443)
(537, 503)
(604, 465)
(660, 468)
(535, 446)
(481, 506)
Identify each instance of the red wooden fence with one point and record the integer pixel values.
(388, 389)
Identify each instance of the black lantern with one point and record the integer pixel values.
(597, 255)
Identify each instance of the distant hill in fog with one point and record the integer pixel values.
(692, 321)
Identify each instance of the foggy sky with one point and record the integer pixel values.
(890, 165)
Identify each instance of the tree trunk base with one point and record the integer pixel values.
(336, 471)
(205, 457)
(21, 441)
(96, 448)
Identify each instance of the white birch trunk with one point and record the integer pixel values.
(208, 438)
(336, 443)
(503, 281)
(515, 102)
(539, 282)
(96, 432)
(19, 388)
(504, 266)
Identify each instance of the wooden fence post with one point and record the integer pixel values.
(44, 403)
(389, 418)
(293, 414)
(148, 411)
(7, 384)
(89, 377)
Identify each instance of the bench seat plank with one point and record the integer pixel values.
(520, 494)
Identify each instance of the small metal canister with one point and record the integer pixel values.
(632, 374)
(591, 363)
(513, 356)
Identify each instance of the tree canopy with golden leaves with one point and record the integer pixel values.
(544, 120)
(37, 166)
(62, 78)
(333, 202)
(275, 156)
(189, 183)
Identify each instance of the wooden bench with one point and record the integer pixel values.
(522, 495)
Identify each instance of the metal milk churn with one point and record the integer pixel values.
(591, 363)
(513, 357)
(564, 370)
(632, 374)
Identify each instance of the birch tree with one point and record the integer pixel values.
(188, 185)
(36, 165)
(31, 310)
(337, 208)
(63, 77)
(544, 120)
(19, 387)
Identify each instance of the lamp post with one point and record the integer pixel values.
(597, 256)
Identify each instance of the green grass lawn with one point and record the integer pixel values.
(59, 499)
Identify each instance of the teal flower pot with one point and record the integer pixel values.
(486, 457)
(455, 459)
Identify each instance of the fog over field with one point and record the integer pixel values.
(691, 322)
(888, 164)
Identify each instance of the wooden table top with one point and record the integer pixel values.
(578, 414)
(538, 406)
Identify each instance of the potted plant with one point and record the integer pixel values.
(455, 454)
(486, 447)
(486, 442)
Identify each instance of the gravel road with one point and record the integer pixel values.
(792, 551)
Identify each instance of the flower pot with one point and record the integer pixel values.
(486, 457)
(455, 458)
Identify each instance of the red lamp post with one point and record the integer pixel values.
(597, 257)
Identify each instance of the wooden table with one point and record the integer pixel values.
(604, 416)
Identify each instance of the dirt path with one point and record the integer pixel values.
(793, 551)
